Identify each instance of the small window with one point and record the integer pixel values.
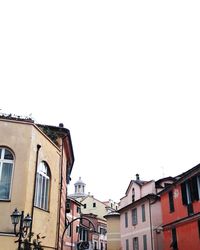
(135, 243)
(144, 242)
(78, 209)
(85, 205)
(69, 231)
(94, 204)
(134, 216)
(133, 194)
(95, 245)
(6, 171)
(126, 219)
(42, 186)
(171, 201)
(174, 244)
(127, 245)
(143, 213)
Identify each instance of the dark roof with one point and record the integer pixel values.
(54, 132)
(16, 118)
(182, 177)
(135, 203)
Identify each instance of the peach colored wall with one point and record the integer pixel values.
(23, 138)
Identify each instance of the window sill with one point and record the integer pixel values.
(7, 234)
(5, 200)
(47, 211)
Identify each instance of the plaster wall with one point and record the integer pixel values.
(22, 138)
(99, 210)
(113, 233)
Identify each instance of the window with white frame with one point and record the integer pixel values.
(6, 171)
(42, 186)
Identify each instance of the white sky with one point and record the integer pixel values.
(123, 76)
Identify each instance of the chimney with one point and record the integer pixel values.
(61, 125)
(137, 177)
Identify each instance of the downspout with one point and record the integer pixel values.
(150, 224)
(34, 187)
(60, 198)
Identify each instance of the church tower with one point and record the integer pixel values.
(79, 189)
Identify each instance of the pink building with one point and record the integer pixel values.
(140, 215)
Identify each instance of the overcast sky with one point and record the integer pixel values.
(123, 76)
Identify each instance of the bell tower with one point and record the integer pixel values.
(79, 188)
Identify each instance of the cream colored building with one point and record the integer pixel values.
(31, 166)
(113, 231)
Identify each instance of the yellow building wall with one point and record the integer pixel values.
(99, 210)
(113, 233)
(22, 139)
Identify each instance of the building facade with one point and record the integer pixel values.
(33, 161)
(113, 231)
(72, 235)
(141, 215)
(181, 212)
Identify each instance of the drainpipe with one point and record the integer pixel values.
(150, 224)
(34, 186)
(60, 195)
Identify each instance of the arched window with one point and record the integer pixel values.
(42, 186)
(6, 170)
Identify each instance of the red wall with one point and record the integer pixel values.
(187, 237)
(187, 232)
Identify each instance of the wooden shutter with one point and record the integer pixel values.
(194, 189)
(184, 194)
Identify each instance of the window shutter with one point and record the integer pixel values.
(184, 194)
(194, 189)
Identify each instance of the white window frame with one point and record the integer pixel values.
(2, 161)
(42, 192)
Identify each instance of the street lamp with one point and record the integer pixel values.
(24, 225)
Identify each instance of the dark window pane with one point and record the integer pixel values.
(126, 219)
(127, 245)
(144, 242)
(171, 201)
(135, 243)
(143, 213)
(184, 195)
(134, 216)
(5, 181)
(174, 243)
(8, 155)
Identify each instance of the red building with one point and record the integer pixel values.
(180, 204)
(71, 237)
